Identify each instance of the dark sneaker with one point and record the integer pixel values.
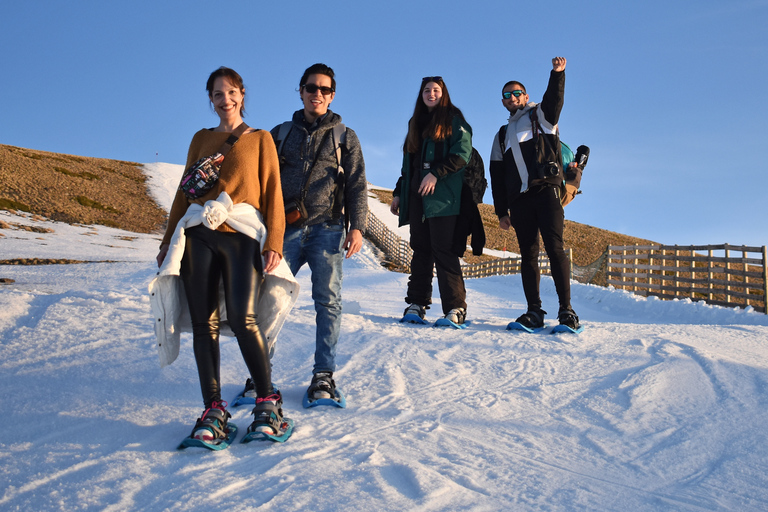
(457, 316)
(568, 317)
(268, 415)
(415, 309)
(212, 425)
(322, 386)
(533, 319)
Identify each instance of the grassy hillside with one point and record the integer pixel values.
(78, 190)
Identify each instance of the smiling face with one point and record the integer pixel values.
(514, 103)
(431, 95)
(227, 99)
(316, 103)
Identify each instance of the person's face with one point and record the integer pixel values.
(316, 103)
(514, 103)
(227, 98)
(431, 94)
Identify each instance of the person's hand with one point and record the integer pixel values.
(161, 255)
(505, 223)
(394, 206)
(271, 261)
(558, 64)
(353, 242)
(428, 184)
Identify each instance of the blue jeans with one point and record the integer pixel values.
(321, 246)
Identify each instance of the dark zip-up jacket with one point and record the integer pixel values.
(447, 160)
(308, 152)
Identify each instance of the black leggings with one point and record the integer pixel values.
(210, 257)
(539, 211)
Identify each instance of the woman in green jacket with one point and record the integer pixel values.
(428, 197)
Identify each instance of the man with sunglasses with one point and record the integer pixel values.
(526, 196)
(323, 176)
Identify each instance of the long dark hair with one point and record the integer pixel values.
(436, 125)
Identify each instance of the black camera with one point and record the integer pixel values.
(548, 169)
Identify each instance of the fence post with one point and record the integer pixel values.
(765, 279)
(727, 273)
(710, 263)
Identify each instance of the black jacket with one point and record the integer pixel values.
(513, 172)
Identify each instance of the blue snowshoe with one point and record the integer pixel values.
(269, 424)
(323, 391)
(212, 430)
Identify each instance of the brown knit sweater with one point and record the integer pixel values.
(250, 174)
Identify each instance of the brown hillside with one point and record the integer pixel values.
(78, 190)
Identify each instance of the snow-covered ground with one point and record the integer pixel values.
(656, 406)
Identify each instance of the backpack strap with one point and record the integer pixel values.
(339, 139)
(502, 137)
(282, 134)
(535, 126)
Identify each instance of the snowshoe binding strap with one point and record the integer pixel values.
(533, 319)
(214, 419)
(267, 414)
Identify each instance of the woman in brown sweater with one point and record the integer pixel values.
(250, 173)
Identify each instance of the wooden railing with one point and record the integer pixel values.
(726, 275)
(398, 254)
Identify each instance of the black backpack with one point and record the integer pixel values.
(474, 177)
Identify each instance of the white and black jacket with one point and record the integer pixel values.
(513, 169)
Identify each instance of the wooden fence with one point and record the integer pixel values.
(726, 275)
(398, 254)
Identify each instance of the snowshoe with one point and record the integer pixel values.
(456, 318)
(569, 322)
(323, 391)
(269, 424)
(211, 429)
(414, 314)
(531, 321)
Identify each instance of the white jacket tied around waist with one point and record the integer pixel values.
(278, 291)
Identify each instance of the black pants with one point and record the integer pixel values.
(432, 241)
(211, 256)
(539, 211)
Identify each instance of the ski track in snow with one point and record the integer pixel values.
(656, 406)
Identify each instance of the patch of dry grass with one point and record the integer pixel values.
(78, 190)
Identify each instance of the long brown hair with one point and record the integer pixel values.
(436, 125)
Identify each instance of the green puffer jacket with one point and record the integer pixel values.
(448, 166)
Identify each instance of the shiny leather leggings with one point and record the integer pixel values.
(210, 257)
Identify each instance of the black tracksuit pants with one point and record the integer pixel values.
(432, 241)
(234, 258)
(539, 211)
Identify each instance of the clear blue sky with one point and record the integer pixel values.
(670, 96)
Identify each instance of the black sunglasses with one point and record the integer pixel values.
(312, 89)
(508, 94)
(432, 79)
